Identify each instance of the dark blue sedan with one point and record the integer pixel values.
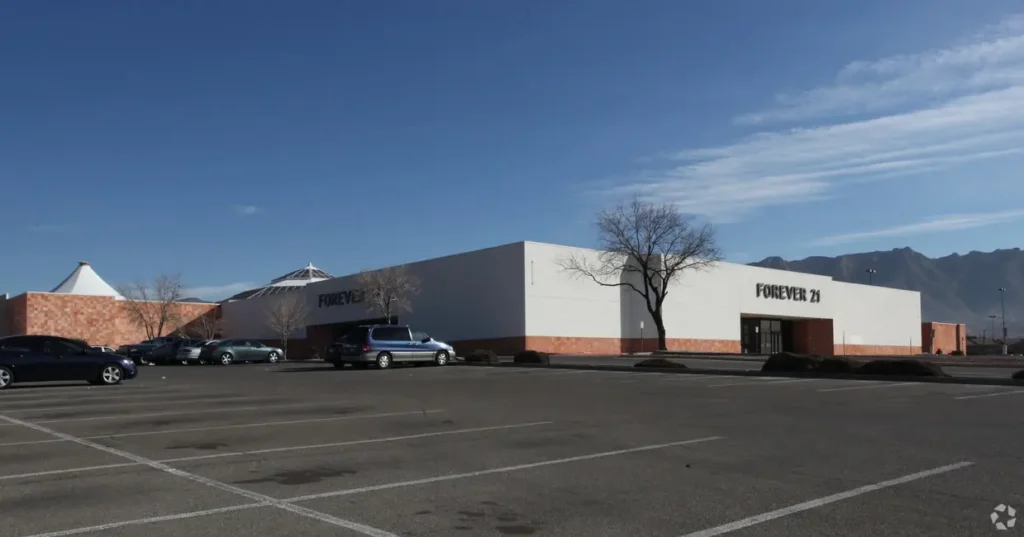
(52, 358)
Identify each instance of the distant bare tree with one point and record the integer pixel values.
(389, 290)
(286, 315)
(654, 242)
(206, 326)
(152, 306)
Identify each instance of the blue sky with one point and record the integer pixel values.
(232, 142)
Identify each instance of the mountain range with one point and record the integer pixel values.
(955, 288)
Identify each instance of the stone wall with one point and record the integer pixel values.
(945, 337)
(98, 320)
(813, 336)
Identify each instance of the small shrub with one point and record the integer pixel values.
(660, 363)
(531, 357)
(789, 362)
(1019, 375)
(481, 356)
(837, 365)
(906, 368)
(957, 353)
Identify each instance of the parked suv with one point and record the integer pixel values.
(168, 352)
(384, 345)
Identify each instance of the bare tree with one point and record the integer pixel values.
(286, 315)
(206, 326)
(650, 243)
(389, 290)
(153, 306)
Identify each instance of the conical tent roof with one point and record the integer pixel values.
(85, 281)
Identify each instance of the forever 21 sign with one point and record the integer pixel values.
(788, 292)
(341, 298)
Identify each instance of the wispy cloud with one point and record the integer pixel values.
(246, 210)
(218, 292)
(978, 116)
(935, 224)
(991, 60)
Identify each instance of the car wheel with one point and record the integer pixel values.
(383, 360)
(441, 358)
(226, 359)
(111, 374)
(272, 357)
(6, 378)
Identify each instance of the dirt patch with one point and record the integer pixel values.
(300, 477)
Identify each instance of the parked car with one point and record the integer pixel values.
(384, 345)
(228, 351)
(189, 354)
(140, 353)
(52, 358)
(168, 352)
(102, 348)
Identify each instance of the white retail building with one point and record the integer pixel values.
(517, 296)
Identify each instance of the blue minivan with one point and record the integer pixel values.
(386, 344)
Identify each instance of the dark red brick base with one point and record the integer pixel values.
(876, 350)
(579, 345)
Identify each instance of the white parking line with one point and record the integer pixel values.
(84, 391)
(779, 513)
(241, 426)
(259, 498)
(989, 394)
(85, 405)
(763, 382)
(151, 520)
(450, 477)
(502, 470)
(869, 386)
(181, 413)
(278, 450)
(89, 399)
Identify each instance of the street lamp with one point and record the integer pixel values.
(993, 317)
(871, 272)
(1002, 301)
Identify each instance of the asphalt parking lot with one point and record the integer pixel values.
(300, 449)
(1004, 370)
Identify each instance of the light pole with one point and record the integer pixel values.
(993, 317)
(871, 273)
(1002, 303)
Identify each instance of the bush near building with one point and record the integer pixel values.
(532, 357)
(482, 356)
(787, 362)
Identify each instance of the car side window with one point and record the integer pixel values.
(18, 344)
(419, 336)
(391, 333)
(59, 347)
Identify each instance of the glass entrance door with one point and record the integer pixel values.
(762, 336)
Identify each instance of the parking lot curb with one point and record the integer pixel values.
(937, 361)
(752, 373)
